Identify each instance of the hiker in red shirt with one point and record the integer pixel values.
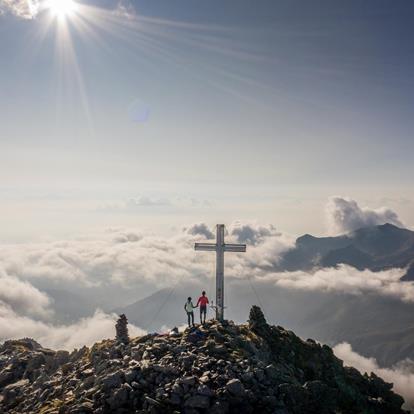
(203, 301)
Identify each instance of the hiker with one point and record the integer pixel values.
(203, 301)
(189, 307)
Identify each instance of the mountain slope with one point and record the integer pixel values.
(409, 276)
(219, 368)
(349, 255)
(69, 307)
(163, 308)
(325, 316)
(377, 327)
(376, 248)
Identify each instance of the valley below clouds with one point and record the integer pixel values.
(62, 293)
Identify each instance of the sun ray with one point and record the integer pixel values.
(69, 71)
(62, 8)
(143, 39)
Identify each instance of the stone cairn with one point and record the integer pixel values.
(257, 322)
(122, 330)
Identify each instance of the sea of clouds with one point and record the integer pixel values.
(125, 257)
(130, 258)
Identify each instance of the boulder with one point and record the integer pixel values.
(112, 381)
(235, 387)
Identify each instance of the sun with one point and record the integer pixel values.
(62, 8)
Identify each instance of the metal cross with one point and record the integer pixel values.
(220, 247)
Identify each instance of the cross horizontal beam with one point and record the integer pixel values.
(209, 247)
(212, 247)
(235, 248)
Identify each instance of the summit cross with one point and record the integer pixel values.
(220, 247)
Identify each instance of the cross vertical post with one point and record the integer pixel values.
(220, 272)
(220, 247)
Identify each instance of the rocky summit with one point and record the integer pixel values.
(216, 368)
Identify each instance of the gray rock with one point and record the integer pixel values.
(87, 372)
(44, 394)
(175, 399)
(204, 390)
(131, 375)
(271, 372)
(219, 407)
(83, 408)
(248, 377)
(112, 381)
(176, 388)
(89, 381)
(204, 379)
(18, 384)
(259, 374)
(188, 380)
(153, 402)
(11, 391)
(36, 362)
(197, 401)
(118, 398)
(235, 387)
(293, 395)
(6, 377)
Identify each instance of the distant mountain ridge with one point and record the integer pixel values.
(375, 326)
(376, 248)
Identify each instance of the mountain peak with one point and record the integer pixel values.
(215, 368)
(387, 227)
(391, 227)
(375, 247)
(305, 238)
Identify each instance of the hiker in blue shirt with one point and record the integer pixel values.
(189, 308)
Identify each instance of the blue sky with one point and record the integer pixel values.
(252, 111)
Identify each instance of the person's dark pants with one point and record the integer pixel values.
(203, 311)
(190, 316)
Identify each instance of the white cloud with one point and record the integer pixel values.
(86, 331)
(141, 203)
(22, 297)
(135, 259)
(147, 202)
(347, 279)
(125, 9)
(129, 257)
(251, 233)
(344, 215)
(400, 375)
(200, 229)
(25, 9)
(126, 236)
